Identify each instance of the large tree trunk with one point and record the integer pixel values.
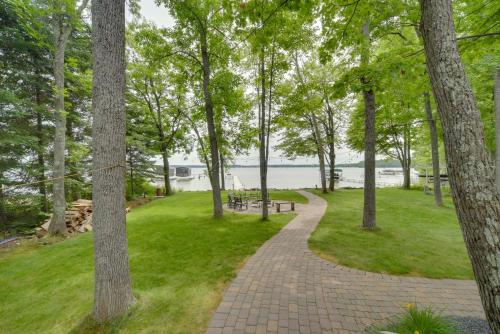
(321, 153)
(331, 182)
(369, 220)
(40, 154)
(74, 192)
(222, 173)
(57, 223)
(113, 294)
(406, 159)
(166, 171)
(331, 144)
(438, 197)
(4, 223)
(212, 135)
(262, 139)
(469, 165)
(131, 169)
(497, 124)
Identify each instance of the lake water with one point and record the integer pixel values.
(286, 178)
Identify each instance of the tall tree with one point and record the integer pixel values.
(350, 31)
(369, 220)
(317, 135)
(469, 165)
(332, 123)
(200, 33)
(157, 90)
(65, 16)
(78, 97)
(272, 28)
(113, 294)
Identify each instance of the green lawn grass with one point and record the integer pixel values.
(180, 259)
(416, 238)
(287, 195)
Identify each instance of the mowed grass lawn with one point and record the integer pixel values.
(180, 259)
(416, 238)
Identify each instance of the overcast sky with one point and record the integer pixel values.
(160, 16)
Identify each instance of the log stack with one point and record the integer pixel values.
(78, 218)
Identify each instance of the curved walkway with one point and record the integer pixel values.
(285, 288)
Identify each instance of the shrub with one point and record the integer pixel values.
(421, 321)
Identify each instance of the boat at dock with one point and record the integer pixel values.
(183, 173)
(390, 172)
(337, 173)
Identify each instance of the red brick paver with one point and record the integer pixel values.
(285, 288)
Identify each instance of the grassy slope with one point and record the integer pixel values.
(416, 238)
(180, 262)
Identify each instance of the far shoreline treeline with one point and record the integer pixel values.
(359, 164)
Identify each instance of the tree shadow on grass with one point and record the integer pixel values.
(89, 326)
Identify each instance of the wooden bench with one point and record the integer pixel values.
(239, 203)
(280, 203)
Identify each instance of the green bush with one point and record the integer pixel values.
(420, 321)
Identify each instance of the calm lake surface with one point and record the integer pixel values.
(286, 178)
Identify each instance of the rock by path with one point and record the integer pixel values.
(285, 288)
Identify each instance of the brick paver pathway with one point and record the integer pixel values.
(285, 288)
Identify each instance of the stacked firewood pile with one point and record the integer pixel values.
(78, 218)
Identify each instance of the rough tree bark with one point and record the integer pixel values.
(331, 182)
(166, 169)
(74, 191)
(497, 125)
(164, 143)
(438, 197)
(113, 294)
(212, 135)
(262, 139)
(321, 153)
(469, 165)
(131, 169)
(369, 220)
(406, 163)
(3, 214)
(40, 153)
(222, 173)
(331, 143)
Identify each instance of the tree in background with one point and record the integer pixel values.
(233, 117)
(436, 171)
(334, 110)
(113, 293)
(310, 123)
(65, 14)
(78, 87)
(200, 39)
(470, 168)
(400, 109)
(27, 76)
(157, 91)
(272, 28)
(351, 32)
(313, 121)
(24, 96)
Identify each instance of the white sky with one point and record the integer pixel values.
(160, 16)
